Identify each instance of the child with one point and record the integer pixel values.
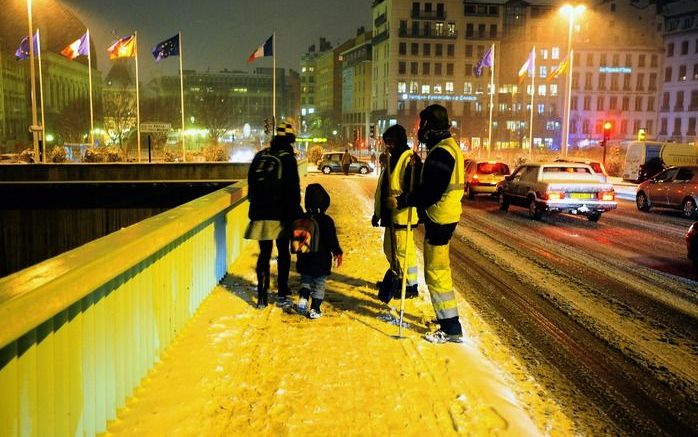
(315, 267)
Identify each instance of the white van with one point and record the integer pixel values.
(641, 152)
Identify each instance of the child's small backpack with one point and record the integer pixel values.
(306, 236)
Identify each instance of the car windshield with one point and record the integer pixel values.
(566, 170)
(494, 168)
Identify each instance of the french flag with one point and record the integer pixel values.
(79, 47)
(267, 49)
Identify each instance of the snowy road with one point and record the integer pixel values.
(604, 313)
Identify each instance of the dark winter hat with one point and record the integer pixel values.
(434, 117)
(397, 133)
(316, 198)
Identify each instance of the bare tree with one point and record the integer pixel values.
(215, 114)
(119, 115)
(72, 123)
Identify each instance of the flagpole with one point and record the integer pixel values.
(89, 75)
(273, 92)
(138, 101)
(489, 134)
(533, 92)
(41, 96)
(181, 92)
(35, 138)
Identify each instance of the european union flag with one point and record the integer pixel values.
(487, 60)
(23, 49)
(167, 48)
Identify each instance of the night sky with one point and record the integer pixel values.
(220, 33)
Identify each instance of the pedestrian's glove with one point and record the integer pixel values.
(375, 221)
(391, 202)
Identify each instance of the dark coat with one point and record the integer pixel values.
(284, 205)
(320, 262)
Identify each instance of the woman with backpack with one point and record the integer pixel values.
(275, 201)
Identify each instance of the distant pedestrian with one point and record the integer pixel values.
(373, 159)
(319, 248)
(346, 161)
(275, 197)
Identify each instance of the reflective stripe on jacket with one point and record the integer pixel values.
(448, 208)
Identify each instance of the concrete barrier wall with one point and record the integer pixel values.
(80, 330)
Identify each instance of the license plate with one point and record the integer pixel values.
(581, 195)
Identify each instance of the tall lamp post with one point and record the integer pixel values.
(570, 12)
(34, 127)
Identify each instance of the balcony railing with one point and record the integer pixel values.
(381, 19)
(380, 37)
(431, 15)
(430, 34)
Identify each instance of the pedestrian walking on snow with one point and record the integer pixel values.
(274, 195)
(317, 247)
(346, 162)
(438, 199)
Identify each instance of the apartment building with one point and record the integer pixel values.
(356, 90)
(678, 107)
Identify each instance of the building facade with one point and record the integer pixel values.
(311, 120)
(678, 107)
(14, 115)
(356, 90)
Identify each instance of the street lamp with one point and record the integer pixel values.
(570, 12)
(34, 127)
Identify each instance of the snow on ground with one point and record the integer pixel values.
(236, 370)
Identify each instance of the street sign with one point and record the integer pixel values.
(156, 128)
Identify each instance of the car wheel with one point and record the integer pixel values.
(326, 169)
(503, 202)
(534, 210)
(689, 208)
(363, 170)
(594, 216)
(468, 192)
(642, 202)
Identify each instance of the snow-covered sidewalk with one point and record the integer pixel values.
(236, 370)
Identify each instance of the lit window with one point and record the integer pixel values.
(555, 53)
(543, 71)
(541, 90)
(437, 89)
(553, 90)
(303, 70)
(449, 87)
(541, 108)
(414, 86)
(426, 89)
(544, 53)
(303, 111)
(468, 88)
(311, 110)
(402, 87)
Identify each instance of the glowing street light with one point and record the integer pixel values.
(569, 12)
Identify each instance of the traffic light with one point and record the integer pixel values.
(607, 127)
(641, 135)
(372, 131)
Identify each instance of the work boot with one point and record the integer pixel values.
(440, 337)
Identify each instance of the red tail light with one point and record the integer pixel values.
(476, 180)
(554, 195)
(607, 195)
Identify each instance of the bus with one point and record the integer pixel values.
(641, 152)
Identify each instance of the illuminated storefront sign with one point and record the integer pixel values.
(460, 98)
(625, 70)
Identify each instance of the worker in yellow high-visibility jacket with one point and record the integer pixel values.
(438, 197)
(392, 182)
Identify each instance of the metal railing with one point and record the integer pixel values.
(80, 331)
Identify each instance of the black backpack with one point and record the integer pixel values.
(266, 172)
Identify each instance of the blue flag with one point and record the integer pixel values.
(167, 48)
(23, 49)
(487, 60)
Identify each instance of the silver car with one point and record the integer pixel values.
(557, 187)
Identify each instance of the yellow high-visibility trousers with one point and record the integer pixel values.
(403, 243)
(439, 281)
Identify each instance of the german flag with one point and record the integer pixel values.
(124, 47)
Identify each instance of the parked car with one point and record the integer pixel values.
(332, 161)
(675, 187)
(692, 244)
(597, 166)
(481, 177)
(557, 187)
